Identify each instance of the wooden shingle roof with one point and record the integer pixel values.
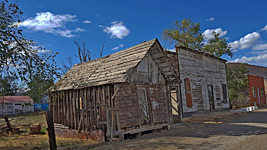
(106, 70)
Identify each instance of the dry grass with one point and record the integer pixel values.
(25, 141)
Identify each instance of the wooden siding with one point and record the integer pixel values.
(202, 70)
(82, 109)
(129, 109)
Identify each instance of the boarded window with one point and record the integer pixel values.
(224, 91)
(188, 94)
(254, 92)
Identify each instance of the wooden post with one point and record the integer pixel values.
(179, 91)
(75, 109)
(51, 130)
(8, 125)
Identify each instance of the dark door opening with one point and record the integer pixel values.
(211, 97)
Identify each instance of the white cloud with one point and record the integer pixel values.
(101, 26)
(210, 19)
(172, 50)
(260, 47)
(234, 50)
(259, 52)
(117, 30)
(246, 42)
(87, 21)
(50, 23)
(208, 33)
(117, 47)
(79, 30)
(259, 59)
(264, 28)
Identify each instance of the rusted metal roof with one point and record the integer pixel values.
(106, 70)
(12, 99)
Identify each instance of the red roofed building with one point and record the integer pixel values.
(13, 105)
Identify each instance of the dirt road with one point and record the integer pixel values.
(247, 131)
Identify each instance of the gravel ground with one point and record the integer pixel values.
(215, 130)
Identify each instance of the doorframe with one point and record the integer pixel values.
(259, 95)
(148, 99)
(211, 105)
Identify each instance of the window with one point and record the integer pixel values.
(224, 91)
(254, 92)
(188, 95)
(262, 92)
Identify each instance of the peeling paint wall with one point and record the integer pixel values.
(146, 72)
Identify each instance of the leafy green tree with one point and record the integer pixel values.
(237, 79)
(217, 46)
(21, 57)
(187, 34)
(38, 86)
(7, 86)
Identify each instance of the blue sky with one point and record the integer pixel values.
(123, 23)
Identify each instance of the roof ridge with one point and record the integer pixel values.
(97, 59)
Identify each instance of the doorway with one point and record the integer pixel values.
(211, 97)
(143, 105)
(259, 96)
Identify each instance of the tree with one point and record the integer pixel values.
(237, 80)
(83, 53)
(188, 34)
(66, 65)
(21, 57)
(38, 86)
(217, 46)
(7, 86)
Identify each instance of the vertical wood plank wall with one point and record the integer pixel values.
(83, 109)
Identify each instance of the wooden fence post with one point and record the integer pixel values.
(8, 125)
(51, 130)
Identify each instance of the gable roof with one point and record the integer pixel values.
(106, 70)
(12, 99)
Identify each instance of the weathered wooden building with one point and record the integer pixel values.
(204, 83)
(127, 92)
(15, 105)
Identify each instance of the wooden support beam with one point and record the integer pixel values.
(64, 109)
(71, 110)
(78, 108)
(75, 109)
(88, 110)
(68, 108)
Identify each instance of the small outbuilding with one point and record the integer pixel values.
(14, 105)
(127, 92)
